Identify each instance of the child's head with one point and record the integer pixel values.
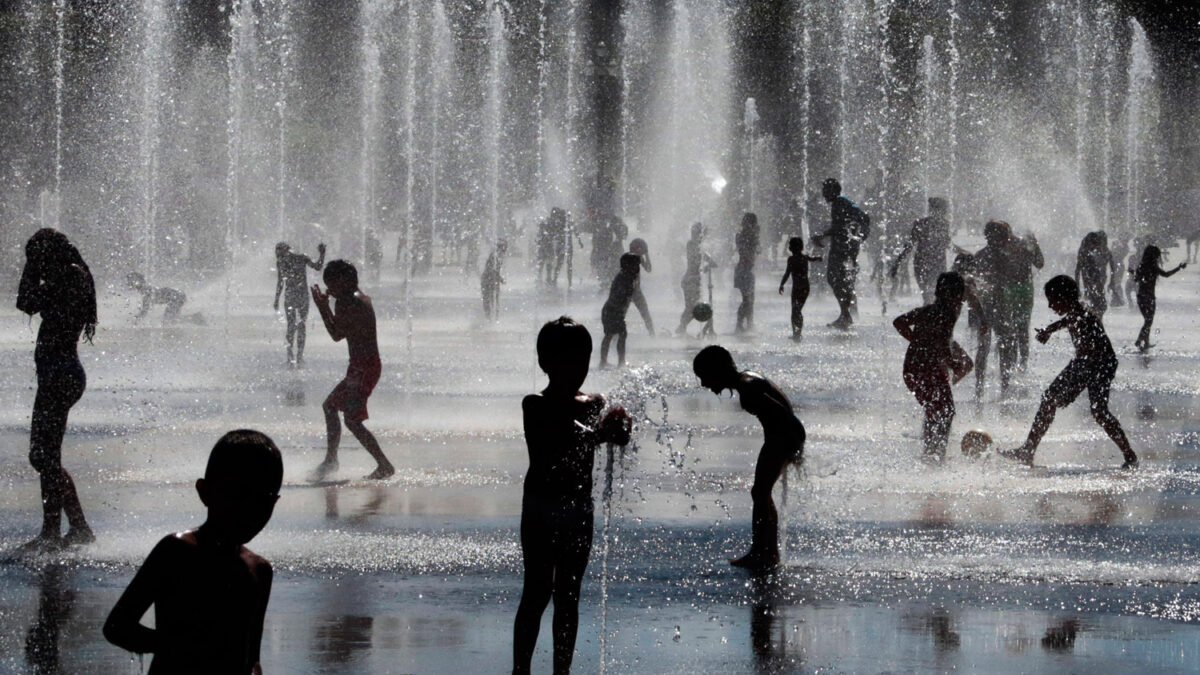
(341, 277)
(950, 288)
(135, 280)
(630, 262)
(749, 221)
(997, 232)
(697, 230)
(796, 245)
(282, 249)
(938, 206)
(639, 247)
(502, 246)
(1152, 255)
(1062, 293)
(241, 484)
(564, 349)
(831, 189)
(715, 368)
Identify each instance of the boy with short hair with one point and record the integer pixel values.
(208, 590)
(797, 271)
(612, 316)
(563, 427)
(353, 321)
(1093, 368)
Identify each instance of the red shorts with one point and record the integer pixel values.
(351, 394)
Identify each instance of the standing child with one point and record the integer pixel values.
(743, 273)
(612, 315)
(208, 590)
(797, 269)
(1093, 368)
(1146, 277)
(291, 280)
(783, 444)
(491, 279)
(931, 357)
(563, 427)
(354, 321)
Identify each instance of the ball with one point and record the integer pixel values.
(976, 442)
(702, 312)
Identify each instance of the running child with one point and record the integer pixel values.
(797, 270)
(612, 315)
(491, 279)
(563, 427)
(783, 444)
(1146, 277)
(208, 590)
(292, 281)
(353, 321)
(932, 356)
(1093, 368)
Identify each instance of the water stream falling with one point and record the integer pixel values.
(151, 66)
(494, 105)
(371, 18)
(411, 33)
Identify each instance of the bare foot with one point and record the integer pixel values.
(1131, 463)
(77, 536)
(42, 544)
(323, 470)
(1022, 454)
(381, 472)
(756, 561)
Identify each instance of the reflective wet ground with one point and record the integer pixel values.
(892, 565)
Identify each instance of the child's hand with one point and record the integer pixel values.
(1183, 266)
(1042, 336)
(275, 305)
(616, 426)
(321, 248)
(322, 299)
(781, 290)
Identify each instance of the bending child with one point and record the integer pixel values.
(932, 356)
(208, 590)
(797, 270)
(353, 321)
(1093, 368)
(563, 427)
(612, 315)
(783, 444)
(1146, 277)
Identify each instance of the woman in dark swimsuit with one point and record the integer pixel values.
(57, 284)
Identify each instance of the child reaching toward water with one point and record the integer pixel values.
(1093, 368)
(160, 295)
(1146, 277)
(208, 590)
(563, 427)
(353, 321)
(783, 443)
(797, 270)
(612, 315)
(932, 355)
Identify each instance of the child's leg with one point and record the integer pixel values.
(535, 593)
(748, 294)
(568, 577)
(604, 348)
(301, 331)
(1146, 305)
(290, 314)
(764, 522)
(1062, 391)
(383, 467)
(333, 430)
(937, 399)
(981, 360)
(1098, 397)
(621, 347)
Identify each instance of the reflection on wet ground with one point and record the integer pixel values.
(892, 565)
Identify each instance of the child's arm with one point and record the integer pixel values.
(639, 301)
(145, 303)
(1043, 334)
(124, 625)
(30, 293)
(321, 300)
(267, 575)
(320, 258)
(814, 258)
(278, 284)
(787, 272)
(1167, 274)
(906, 324)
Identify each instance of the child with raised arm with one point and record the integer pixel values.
(1093, 368)
(1146, 277)
(797, 270)
(291, 280)
(783, 443)
(208, 590)
(563, 427)
(354, 321)
(932, 356)
(612, 315)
